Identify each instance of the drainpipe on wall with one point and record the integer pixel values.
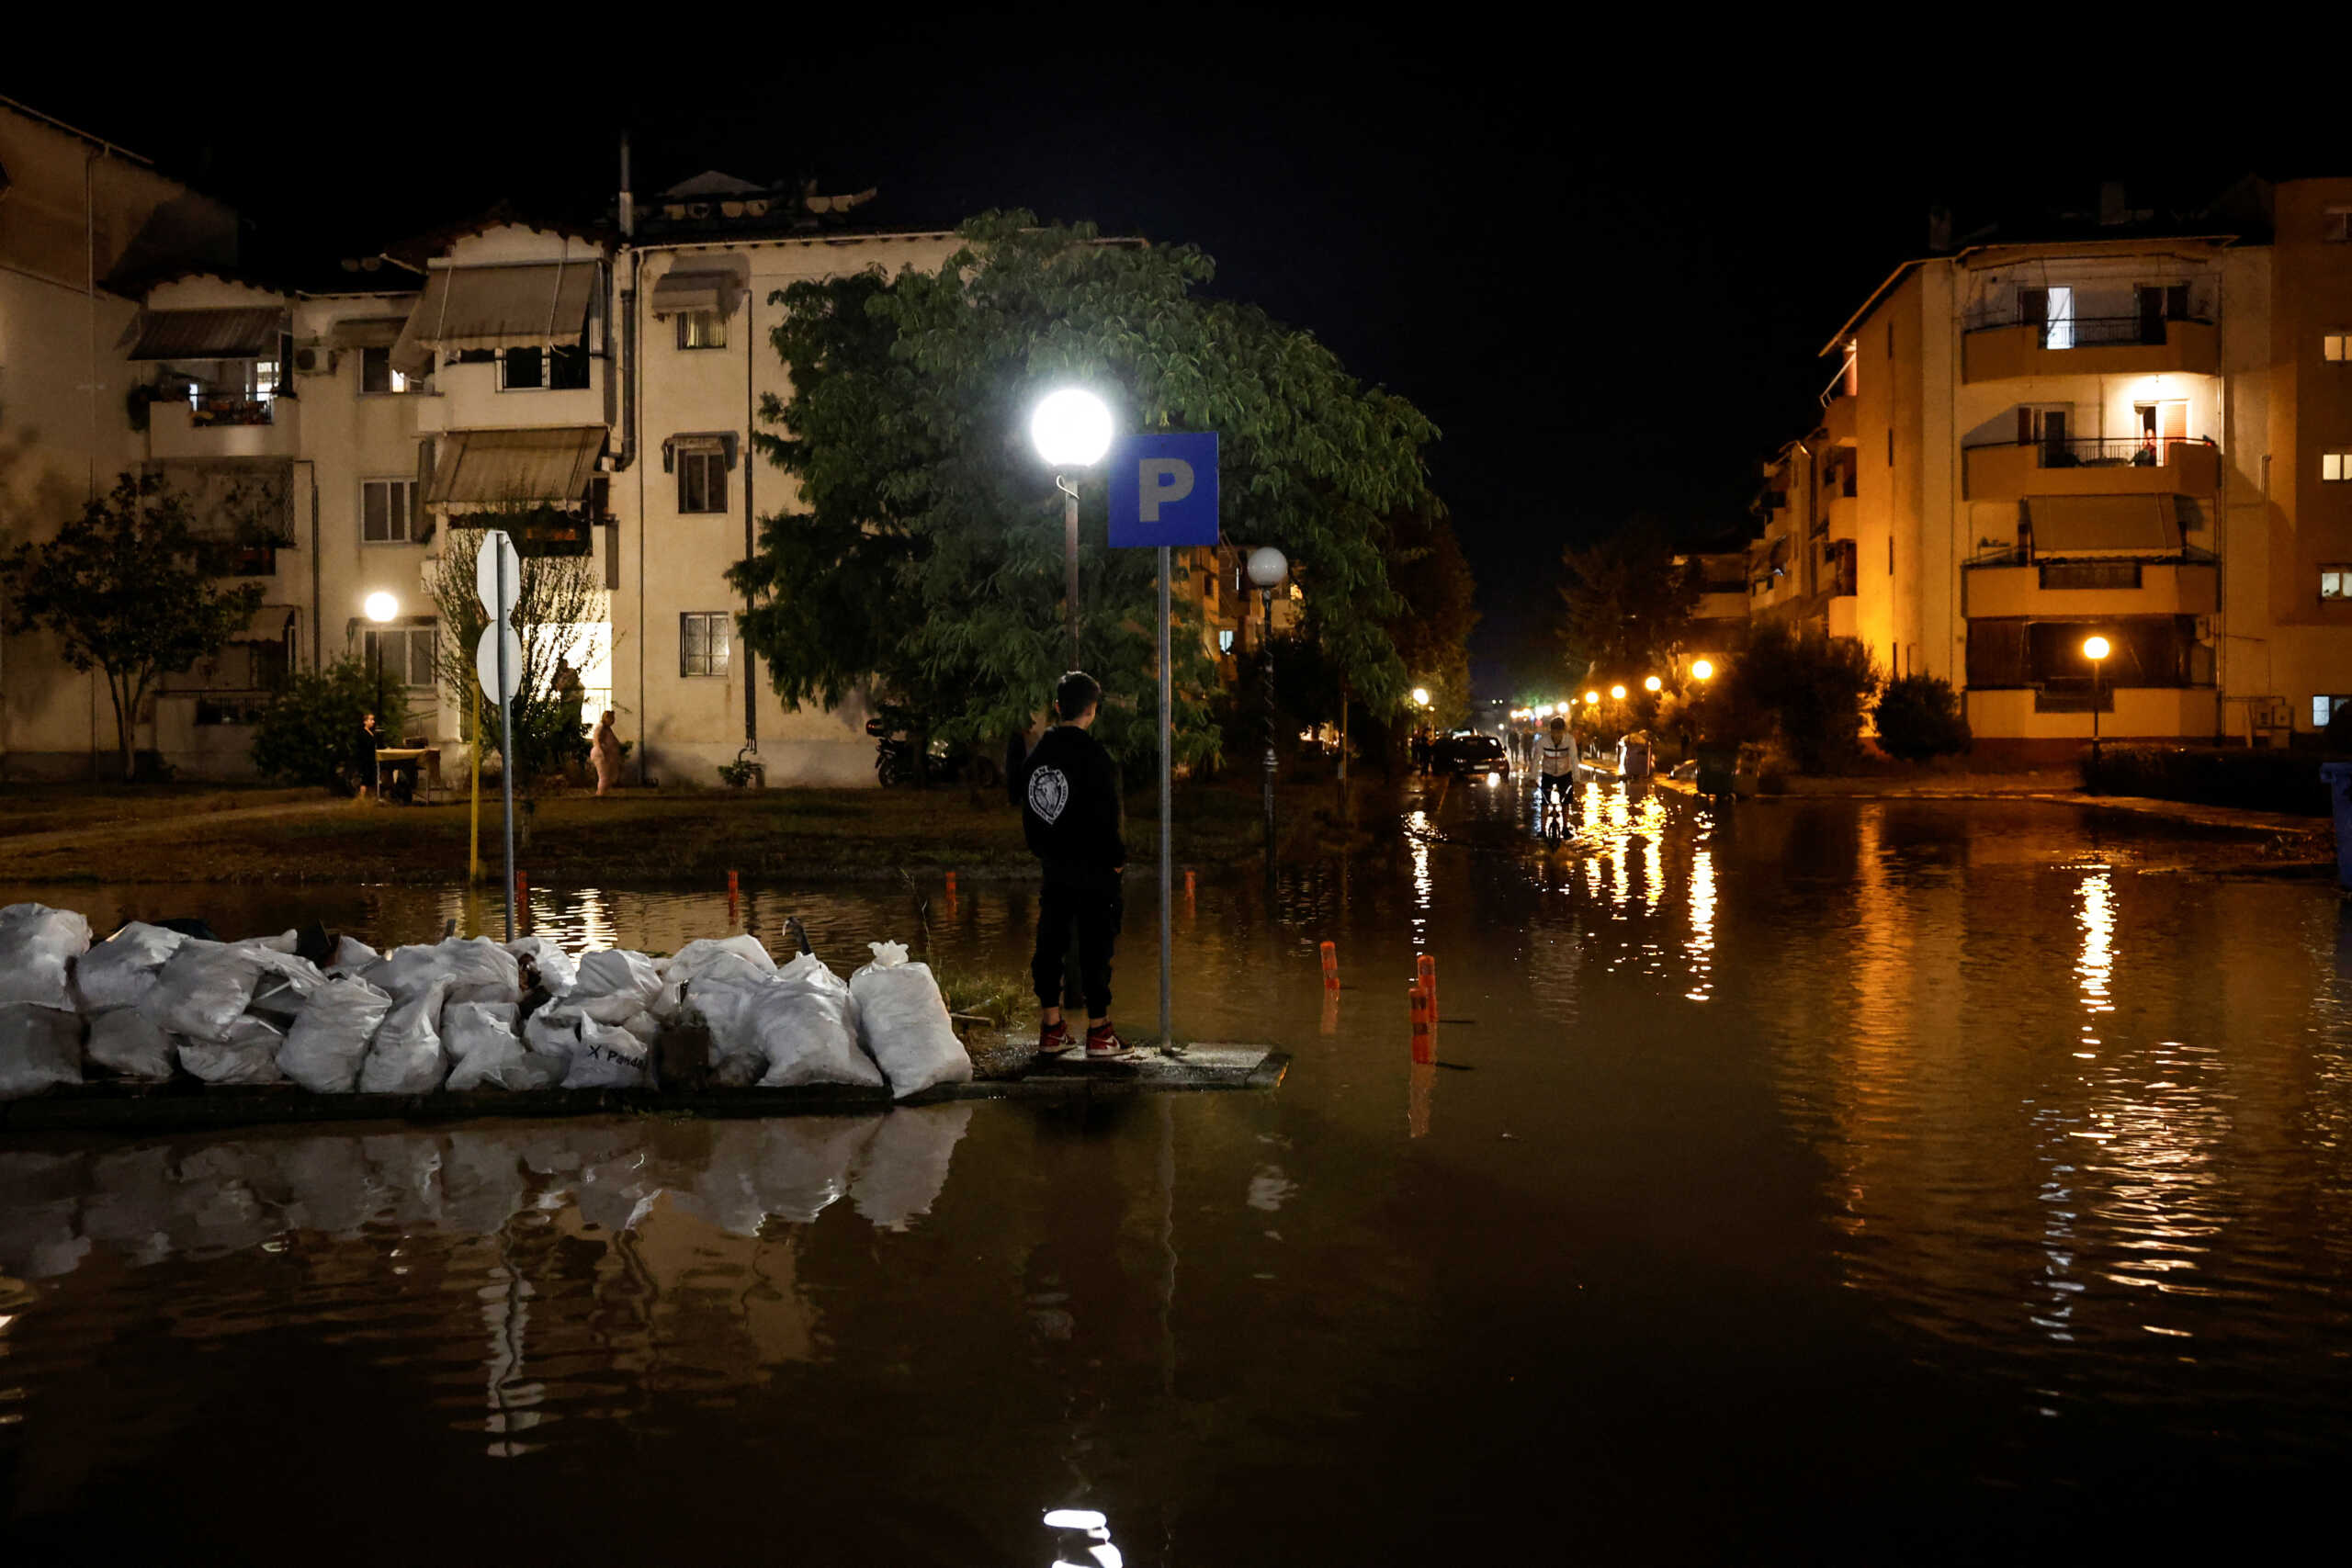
(750, 665)
(316, 647)
(90, 302)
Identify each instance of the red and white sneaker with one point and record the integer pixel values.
(1103, 1045)
(1053, 1039)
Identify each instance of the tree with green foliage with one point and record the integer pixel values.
(1920, 717)
(1431, 630)
(1807, 688)
(310, 731)
(1626, 605)
(925, 565)
(122, 588)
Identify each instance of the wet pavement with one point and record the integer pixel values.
(1870, 1181)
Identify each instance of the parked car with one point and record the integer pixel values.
(1469, 754)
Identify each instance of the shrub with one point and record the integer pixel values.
(2208, 775)
(1920, 717)
(309, 730)
(1807, 687)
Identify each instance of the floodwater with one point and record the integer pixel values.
(1876, 1182)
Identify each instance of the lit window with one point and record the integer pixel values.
(387, 512)
(2336, 583)
(2335, 467)
(703, 638)
(2324, 708)
(2336, 347)
(701, 328)
(1224, 640)
(375, 372)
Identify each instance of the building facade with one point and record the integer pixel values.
(2135, 429)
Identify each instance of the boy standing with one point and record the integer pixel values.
(1068, 790)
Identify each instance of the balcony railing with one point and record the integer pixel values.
(2109, 451)
(2086, 331)
(208, 409)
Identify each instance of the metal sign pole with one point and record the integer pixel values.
(1167, 818)
(506, 743)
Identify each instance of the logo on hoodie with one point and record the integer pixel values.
(1049, 793)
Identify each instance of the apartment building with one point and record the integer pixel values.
(2131, 424)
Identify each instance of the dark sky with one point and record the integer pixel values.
(1607, 286)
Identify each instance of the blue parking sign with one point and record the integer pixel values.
(1163, 490)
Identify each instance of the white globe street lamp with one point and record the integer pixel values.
(1653, 684)
(2096, 649)
(1267, 568)
(380, 607)
(1071, 429)
(1420, 697)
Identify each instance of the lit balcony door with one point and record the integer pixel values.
(2163, 427)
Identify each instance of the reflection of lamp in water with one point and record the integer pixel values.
(1081, 1539)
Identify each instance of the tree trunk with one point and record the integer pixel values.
(125, 723)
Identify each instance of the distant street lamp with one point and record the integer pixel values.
(1590, 699)
(1420, 697)
(1267, 568)
(1653, 684)
(1071, 429)
(1703, 669)
(1617, 694)
(2096, 649)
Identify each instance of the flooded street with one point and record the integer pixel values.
(1870, 1181)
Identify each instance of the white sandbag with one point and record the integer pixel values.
(723, 1007)
(353, 957)
(644, 1025)
(125, 1041)
(615, 983)
(404, 1056)
(324, 1049)
(488, 1053)
(809, 1035)
(38, 945)
(288, 943)
(204, 988)
(736, 958)
(553, 1030)
(121, 970)
(286, 983)
(903, 1021)
(476, 969)
(248, 1055)
(40, 1048)
(608, 1057)
(557, 971)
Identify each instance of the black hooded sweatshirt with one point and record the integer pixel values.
(1069, 790)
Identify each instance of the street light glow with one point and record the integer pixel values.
(2096, 648)
(1592, 697)
(1618, 692)
(1703, 669)
(381, 607)
(1653, 684)
(1543, 710)
(1420, 697)
(1071, 428)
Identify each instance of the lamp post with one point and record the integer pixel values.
(380, 607)
(1703, 669)
(1071, 429)
(2096, 649)
(1267, 568)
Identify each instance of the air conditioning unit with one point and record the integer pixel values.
(313, 359)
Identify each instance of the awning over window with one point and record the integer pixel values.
(209, 335)
(537, 306)
(271, 623)
(679, 292)
(721, 442)
(493, 468)
(367, 332)
(2103, 525)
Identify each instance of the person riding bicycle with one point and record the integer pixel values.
(1556, 758)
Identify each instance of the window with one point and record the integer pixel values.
(703, 636)
(2324, 709)
(2336, 581)
(702, 480)
(2336, 226)
(388, 512)
(532, 369)
(2090, 574)
(2336, 347)
(701, 328)
(1224, 640)
(2335, 467)
(406, 652)
(375, 372)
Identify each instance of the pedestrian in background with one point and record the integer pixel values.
(1069, 789)
(363, 756)
(605, 751)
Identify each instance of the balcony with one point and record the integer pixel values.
(2093, 466)
(1838, 418)
(2095, 345)
(224, 424)
(2052, 590)
(2127, 713)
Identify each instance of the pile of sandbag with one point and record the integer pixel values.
(149, 1002)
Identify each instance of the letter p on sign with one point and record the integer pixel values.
(1163, 490)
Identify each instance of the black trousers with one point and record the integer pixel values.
(1088, 917)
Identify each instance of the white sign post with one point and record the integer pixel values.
(498, 662)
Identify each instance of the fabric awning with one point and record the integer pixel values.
(679, 292)
(367, 332)
(539, 306)
(490, 467)
(2103, 525)
(720, 440)
(244, 334)
(271, 623)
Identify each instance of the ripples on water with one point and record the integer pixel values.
(1956, 1173)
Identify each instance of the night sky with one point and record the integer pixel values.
(1608, 292)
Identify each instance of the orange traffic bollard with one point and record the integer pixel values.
(1425, 967)
(730, 885)
(1416, 1098)
(1188, 885)
(1330, 967)
(950, 885)
(522, 887)
(1424, 1041)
